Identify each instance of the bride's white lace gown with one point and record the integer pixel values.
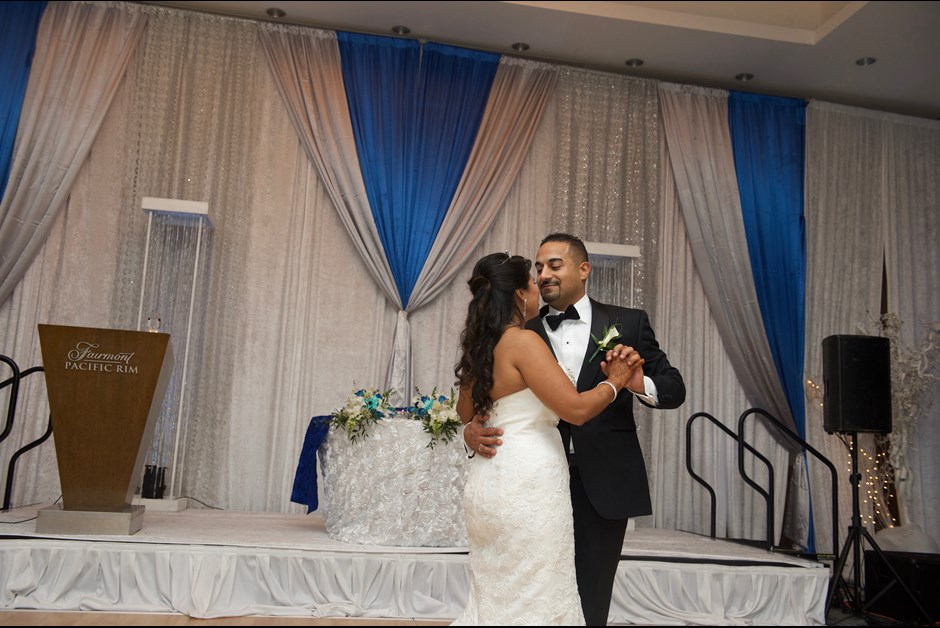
(519, 524)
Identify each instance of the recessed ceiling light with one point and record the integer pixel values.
(520, 46)
(744, 77)
(276, 13)
(866, 61)
(401, 30)
(634, 63)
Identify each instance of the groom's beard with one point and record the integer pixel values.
(549, 295)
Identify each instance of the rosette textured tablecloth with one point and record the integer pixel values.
(390, 488)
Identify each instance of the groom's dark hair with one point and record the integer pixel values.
(575, 244)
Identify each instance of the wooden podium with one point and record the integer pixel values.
(106, 388)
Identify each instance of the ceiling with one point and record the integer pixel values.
(797, 49)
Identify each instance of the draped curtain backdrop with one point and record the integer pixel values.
(517, 100)
(912, 261)
(698, 136)
(280, 343)
(872, 197)
(308, 74)
(415, 111)
(200, 116)
(768, 140)
(767, 137)
(82, 52)
(844, 185)
(18, 24)
(685, 321)
(307, 70)
(700, 149)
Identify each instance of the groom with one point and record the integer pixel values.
(608, 474)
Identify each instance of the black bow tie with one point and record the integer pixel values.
(554, 320)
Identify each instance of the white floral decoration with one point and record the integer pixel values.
(438, 415)
(362, 409)
(913, 378)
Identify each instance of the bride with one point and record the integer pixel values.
(518, 505)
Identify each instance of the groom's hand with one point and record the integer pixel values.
(632, 358)
(480, 438)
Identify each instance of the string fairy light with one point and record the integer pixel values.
(877, 473)
(877, 480)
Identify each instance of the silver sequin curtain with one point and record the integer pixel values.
(192, 117)
(607, 176)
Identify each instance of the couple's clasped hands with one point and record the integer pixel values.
(623, 365)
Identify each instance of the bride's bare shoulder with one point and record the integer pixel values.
(526, 341)
(521, 335)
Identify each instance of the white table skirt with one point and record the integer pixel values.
(390, 488)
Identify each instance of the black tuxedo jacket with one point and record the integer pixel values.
(606, 447)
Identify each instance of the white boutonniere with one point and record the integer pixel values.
(606, 343)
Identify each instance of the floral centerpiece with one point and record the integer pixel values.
(437, 413)
(362, 409)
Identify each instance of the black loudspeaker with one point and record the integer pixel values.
(921, 574)
(857, 384)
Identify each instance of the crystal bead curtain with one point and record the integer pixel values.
(172, 301)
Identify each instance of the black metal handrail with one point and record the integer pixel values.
(795, 438)
(11, 468)
(14, 383)
(711, 492)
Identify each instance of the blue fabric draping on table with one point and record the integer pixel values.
(305, 478)
(768, 137)
(19, 22)
(415, 113)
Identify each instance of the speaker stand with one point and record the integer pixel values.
(853, 541)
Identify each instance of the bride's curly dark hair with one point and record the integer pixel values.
(493, 283)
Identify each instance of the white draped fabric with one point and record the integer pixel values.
(53, 214)
(275, 318)
(294, 319)
(872, 197)
(685, 319)
(306, 68)
(843, 222)
(912, 259)
(82, 51)
(210, 564)
(607, 172)
(207, 564)
(284, 338)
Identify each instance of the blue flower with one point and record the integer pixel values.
(362, 408)
(438, 415)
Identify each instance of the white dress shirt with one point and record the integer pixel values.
(570, 340)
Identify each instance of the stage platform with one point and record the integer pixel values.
(208, 563)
